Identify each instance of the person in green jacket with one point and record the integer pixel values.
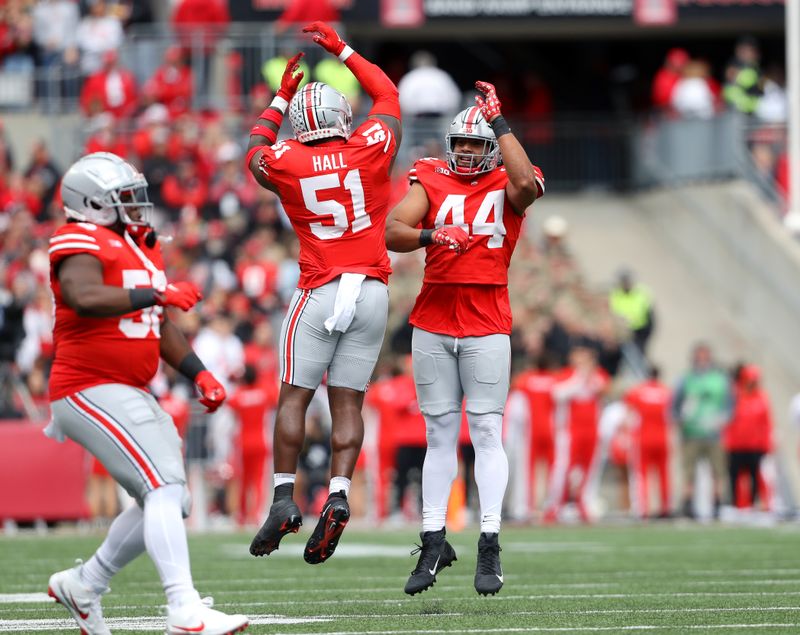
(702, 407)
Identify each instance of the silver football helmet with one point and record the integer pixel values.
(102, 188)
(470, 123)
(318, 111)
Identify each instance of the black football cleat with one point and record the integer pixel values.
(284, 518)
(489, 573)
(435, 554)
(331, 524)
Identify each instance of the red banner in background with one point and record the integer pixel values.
(40, 478)
(655, 12)
(402, 13)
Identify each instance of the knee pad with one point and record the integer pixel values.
(485, 430)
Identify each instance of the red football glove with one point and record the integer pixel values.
(291, 78)
(212, 394)
(453, 237)
(326, 36)
(183, 295)
(489, 103)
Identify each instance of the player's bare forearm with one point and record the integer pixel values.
(523, 188)
(402, 234)
(173, 344)
(83, 289)
(400, 237)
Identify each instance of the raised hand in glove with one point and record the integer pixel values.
(452, 237)
(291, 79)
(183, 295)
(488, 102)
(212, 394)
(326, 36)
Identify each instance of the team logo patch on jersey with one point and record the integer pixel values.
(444, 171)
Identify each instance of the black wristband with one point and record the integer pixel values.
(426, 237)
(191, 366)
(500, 126)
(142, 298)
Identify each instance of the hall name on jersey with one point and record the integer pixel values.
(328, 162)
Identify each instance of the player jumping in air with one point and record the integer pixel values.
(334, 183)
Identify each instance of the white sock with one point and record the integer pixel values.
(440, 468)
(124, 542)
(165, 539)
(282, 478)
(339, 484)
(491, 466)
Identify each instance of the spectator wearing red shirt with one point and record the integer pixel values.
(172, 84)
(666, 78)
(111, 89)
(251, 402)
(305, 11)
(401, 439)
(185, 188)
(103, 136)
(577, 394)
(233, 190)
(649, 403)
(537, 386)
(201, 22)
(748, 437)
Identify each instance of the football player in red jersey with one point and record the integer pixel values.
(471, 209)
(334, 184)
(107, 278)
(649, 403)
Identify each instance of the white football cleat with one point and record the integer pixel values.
(81, 601)
(198, 618)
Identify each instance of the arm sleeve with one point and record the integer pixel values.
(385, 98)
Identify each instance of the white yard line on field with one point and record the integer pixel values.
(148, 624)
(554, 629)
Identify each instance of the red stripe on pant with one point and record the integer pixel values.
(290, 333)
(126, 446)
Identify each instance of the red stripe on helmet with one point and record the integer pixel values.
(310, 114)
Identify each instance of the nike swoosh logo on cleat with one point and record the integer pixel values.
(500, 577)
(84, 616)
(435, 564)
(193, 629)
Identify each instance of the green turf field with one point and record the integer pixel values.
(665, 579)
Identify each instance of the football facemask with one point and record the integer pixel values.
(104, 189)
(470, 124)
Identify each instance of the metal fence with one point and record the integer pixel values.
(576, 151)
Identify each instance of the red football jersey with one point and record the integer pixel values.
(336, 195)
(538, 388)
(651, 401)
(251, 405)
(474, 301)
(114, 350)
(584, 406)
(402, 424)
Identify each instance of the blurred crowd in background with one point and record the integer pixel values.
(221, 230)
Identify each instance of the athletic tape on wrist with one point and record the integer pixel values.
(191, 366)
(142, 298)
(500, 126)
(279, 103)
(346, 52)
